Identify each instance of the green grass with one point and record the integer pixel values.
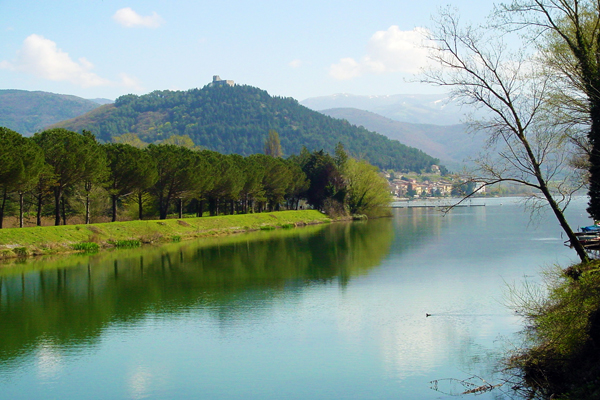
(60, 239)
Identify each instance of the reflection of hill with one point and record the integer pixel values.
(71, 300)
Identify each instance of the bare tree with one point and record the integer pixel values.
(569, 34)
(524, 144)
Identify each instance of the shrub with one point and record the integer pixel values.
(562, 331)
(87, 247)
(20, 251)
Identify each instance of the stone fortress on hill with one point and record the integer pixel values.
(217, 81)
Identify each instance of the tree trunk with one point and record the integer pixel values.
(163, 207)
(200, 208)
(594, 139)
(114, 199)
(88, 188)
(140, 209)
(21, 209)
(40, 204)
(87, 208)
(581, 252)
(64, 213)
(57, 197)
(4, 196)
(211, 206)
(180, 206)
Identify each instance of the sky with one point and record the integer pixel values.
(299, 49)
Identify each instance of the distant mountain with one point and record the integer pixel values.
(102, 101)
(452, 144)
(29, 112)
(416, 109)
(237, 119)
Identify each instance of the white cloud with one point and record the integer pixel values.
(130, 19)
(387, 51)
(347, 68)
(295, 63)
(41, 57)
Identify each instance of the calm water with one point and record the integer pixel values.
(323, 312)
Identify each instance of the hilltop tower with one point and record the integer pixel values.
(217, 81)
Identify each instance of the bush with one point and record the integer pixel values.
(20, 251)
(334, 208)
(87, 247)
(563, 332)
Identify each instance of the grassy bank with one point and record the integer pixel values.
(561, 356)
(22, 242)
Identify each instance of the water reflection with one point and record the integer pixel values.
(48, 303)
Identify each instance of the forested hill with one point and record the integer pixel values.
(28, 112)
(237, 120)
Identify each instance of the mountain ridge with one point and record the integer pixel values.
(436, 109)
(452, 144)
(28, 112)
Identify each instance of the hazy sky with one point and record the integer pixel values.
(300, 49)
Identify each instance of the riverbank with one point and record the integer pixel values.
(24, 242)
(562, 348)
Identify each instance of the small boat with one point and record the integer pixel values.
(591, 229)
(588, 238)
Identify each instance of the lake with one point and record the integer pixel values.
(334, 311)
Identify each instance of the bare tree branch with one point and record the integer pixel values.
(513, 87)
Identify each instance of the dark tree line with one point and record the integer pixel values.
(56, 170)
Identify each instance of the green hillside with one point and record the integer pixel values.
(237, 120)
(29, 112)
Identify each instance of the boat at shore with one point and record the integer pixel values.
(589, 237)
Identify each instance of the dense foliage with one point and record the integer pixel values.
(65, 174)
(237, 120)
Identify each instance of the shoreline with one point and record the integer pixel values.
(64, 239)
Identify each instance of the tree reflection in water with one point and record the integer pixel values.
(69, 301)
